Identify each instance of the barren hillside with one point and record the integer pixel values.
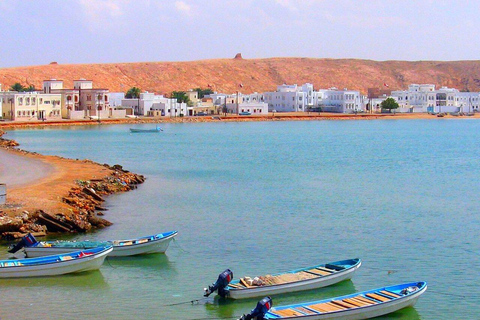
(256, 75)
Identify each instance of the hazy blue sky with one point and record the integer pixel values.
(37, 32)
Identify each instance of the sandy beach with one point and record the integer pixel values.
(26, 171)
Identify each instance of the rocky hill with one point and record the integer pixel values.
(256, 75)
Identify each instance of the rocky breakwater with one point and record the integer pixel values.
(75, 208)
(86, 200)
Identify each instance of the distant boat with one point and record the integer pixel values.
(78, 261)
(361, 305)
(314, 277)
(144, 245)
(157, 129)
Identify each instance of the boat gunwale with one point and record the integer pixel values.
(151, 239)
(52, 261)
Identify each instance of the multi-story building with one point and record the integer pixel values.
(27, 106)
(425, 98)
(341, 101)
(150, 104)
(287, 98)
(83, 101)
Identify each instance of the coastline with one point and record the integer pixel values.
(284, 116)
(65, 197)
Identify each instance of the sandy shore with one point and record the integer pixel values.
(18, 171)
(36, 181)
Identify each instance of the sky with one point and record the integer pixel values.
(37, 32)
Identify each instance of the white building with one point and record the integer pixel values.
(425, 98)
(155, 105)
(341, 101)
(287, 98)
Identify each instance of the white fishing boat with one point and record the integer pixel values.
(138, 130)
(357, 306)
(157, 243)
(78, 261)
(314, 277)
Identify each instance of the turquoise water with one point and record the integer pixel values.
(265, 197)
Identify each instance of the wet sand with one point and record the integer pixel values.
(17, 170)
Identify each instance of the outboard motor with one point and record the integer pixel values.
(259, 312)
(27, 241)
(223, 280)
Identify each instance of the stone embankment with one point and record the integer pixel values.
(84, 203)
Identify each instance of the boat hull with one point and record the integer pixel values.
(365, 312)
(154, 246)
(86, 263)
(302, 285)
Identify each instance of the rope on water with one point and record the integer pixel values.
(178, 246)
(447, 294)
(380, 270)
(108, 261)
(196, 301)
(210, 318)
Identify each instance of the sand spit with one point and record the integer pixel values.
(66, 196)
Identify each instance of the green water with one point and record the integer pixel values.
(267, 197)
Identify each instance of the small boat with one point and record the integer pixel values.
(157, 129)
(314, 277)
(145, 245)
(361, 305)
(78, 261)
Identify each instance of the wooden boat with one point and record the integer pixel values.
(362, 305)
(78, 261)
(314, 277)
(134, 130)
(145, 245)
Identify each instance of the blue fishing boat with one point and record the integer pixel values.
(308, 278)
(361, 305)
(78, 261)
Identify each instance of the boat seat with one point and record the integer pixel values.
(319, 272)
(356, 303)
(378, 297)
(366, 300)
(363, 302)
(325, 307)
(236, 285)
(306, 311)
(326, 269)
(344, 304)
(389, 293)
(290, 312)
(316, 272)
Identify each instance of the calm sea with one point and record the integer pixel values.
(265, 197)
